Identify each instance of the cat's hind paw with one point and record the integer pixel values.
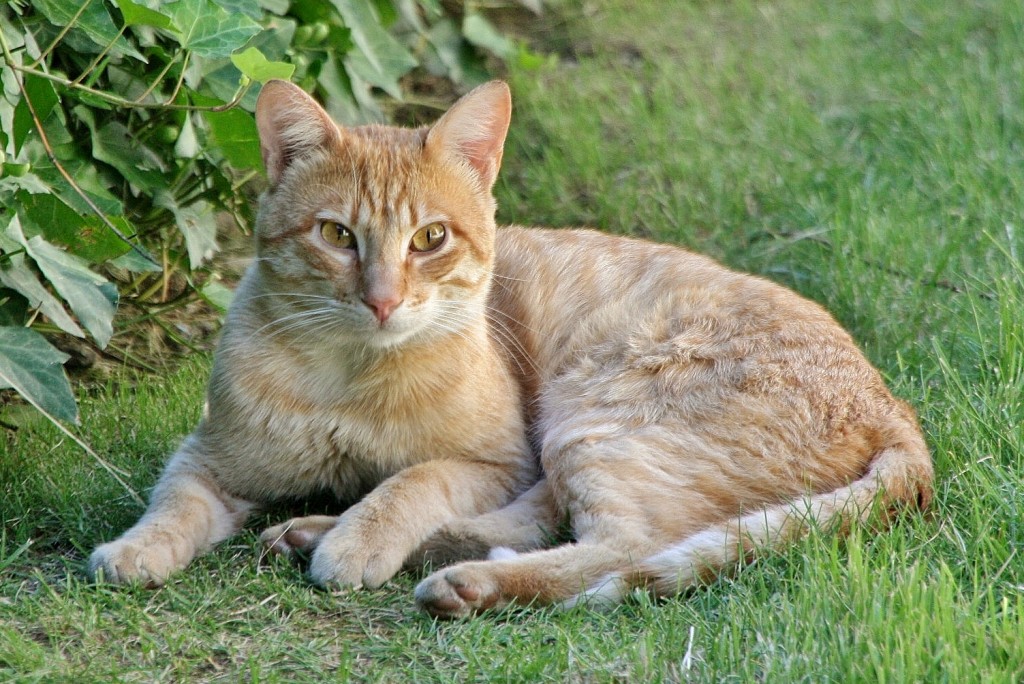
(297, 534)
(459, 591)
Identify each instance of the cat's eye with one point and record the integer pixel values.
(428, 237)
(337, 235)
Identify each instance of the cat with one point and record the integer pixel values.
(472, 388)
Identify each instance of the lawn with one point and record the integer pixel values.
(869, 155)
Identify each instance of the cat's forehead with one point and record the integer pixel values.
(374, 177)
(379, 155)
(377, 178)
(389, 136)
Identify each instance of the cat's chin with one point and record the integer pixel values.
(386, 340)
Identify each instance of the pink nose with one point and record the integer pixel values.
(383, 307)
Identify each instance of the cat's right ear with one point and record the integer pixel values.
(291, 125)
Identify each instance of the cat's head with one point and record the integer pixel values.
(375, 234)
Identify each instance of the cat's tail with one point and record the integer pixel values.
(898, 477)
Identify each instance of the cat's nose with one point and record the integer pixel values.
(383, 306)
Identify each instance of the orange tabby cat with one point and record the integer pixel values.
(477, 386)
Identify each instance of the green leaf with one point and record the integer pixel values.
(34, 368)
(234, 132)
(187, 146)
(136, 263)
(459, 60)
(138, 15)
(208, 30)
(340, 102)
(89, 294)
(253, 64)
(275, 6)
(114, 144)
(87, 178)
(43, 97)
(482, 33)
(94, 23)
(17, 274)
(381, 60)
(11, 185)
(87, 236)
(217, 295)
(13, 307)
(197, 223)
(249, 8)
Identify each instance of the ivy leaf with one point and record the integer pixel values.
(34, 368)
(43, 97)
(94, 22)
(234, 132)
(114, 144)
(217, 295)
(253, 64)
(87, 236)
(136, 263)
(89, 294)
(341, 102)
(208, 30)
(250, 8)
(139, 15)
(17, 274)
(381, 60)
(482, 33)
(87, 177)
(197, 223)
(12, 185)
(457, 58)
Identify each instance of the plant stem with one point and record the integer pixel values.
(60, 36)
(123, 102)
(85, 72)
(159, 79)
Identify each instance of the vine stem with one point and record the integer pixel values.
(123, 102)
(63, 32)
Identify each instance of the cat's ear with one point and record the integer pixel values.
(291, 125)
(474, 129)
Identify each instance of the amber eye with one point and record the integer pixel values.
(337, 235)
(428, 238)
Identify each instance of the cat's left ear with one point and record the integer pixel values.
(473, 130)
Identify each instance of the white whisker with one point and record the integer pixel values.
(501, 334)
(295, 320)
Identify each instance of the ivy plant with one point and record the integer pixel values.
(126, 134)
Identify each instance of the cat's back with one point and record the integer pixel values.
(568, 289)
(648, 331)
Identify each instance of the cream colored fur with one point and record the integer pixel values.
(676, 414)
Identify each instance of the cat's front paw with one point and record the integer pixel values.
(346, 559)
(459, 591)
(125, 561)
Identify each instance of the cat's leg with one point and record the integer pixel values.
(298, 534)
(529, 523)
(371, 539)
(540, 577)
(187, 514)
(622, 508)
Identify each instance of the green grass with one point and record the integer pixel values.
(870, 155)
